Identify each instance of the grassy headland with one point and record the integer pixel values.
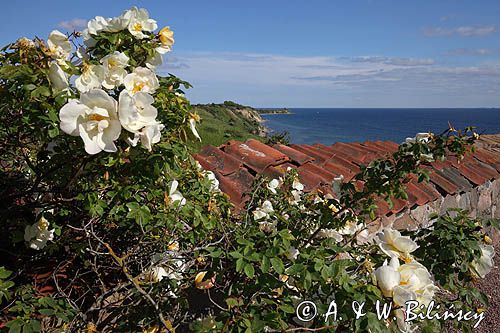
(228, 121)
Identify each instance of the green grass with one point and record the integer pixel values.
(220, 123)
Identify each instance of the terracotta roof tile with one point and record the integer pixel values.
(295, 155)
(383, 208)
(309, 178)
(339, 169)
(236, 185)
(236, 163)
(352, 153)
(370, 148)
(398, 205)
(213, 158)
(416, 195)
(456, 178)
(442, 182)
(255, 154)
(467, 171)
(487, 157)
(320, 156)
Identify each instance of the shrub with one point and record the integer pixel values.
(110, 224)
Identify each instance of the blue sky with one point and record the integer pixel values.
(357, 53)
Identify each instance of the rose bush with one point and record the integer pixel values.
(104, 234)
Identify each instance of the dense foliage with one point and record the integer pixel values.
(104, 234)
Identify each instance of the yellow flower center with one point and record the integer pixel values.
(404, 257)
(43, 224)
(137, 27)
(138, 87)
(195, 117)
(111, 63)
(96, 117)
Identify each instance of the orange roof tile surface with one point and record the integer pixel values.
(236, 164)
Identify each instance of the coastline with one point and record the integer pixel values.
(275, 113)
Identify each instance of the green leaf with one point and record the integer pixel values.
(141, 214)
(295, 269)
(236, 254)
(232, 302)
(265, 264)
(249, 270)
(4, 273)
(278, 265)
(53, 132)
(239, 264)
(287, 308)
(46, 312)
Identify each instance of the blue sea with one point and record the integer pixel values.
(328, 126)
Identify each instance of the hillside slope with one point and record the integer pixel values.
(228, 121)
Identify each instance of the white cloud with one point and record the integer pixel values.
(74, 24)
(394, 61)
(464, 31)
(470, 52)
(319, 81)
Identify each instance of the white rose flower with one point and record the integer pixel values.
(141, 79)
(214, 182)
(423, 137)
(420, 138)
(427, 157)
(267, 227)
(139, 21)
(416, 284)
(394, 245)
(157, 59)
(148, 135)
(263, 211)
(273, 185)
(329, 233)
(485, 263)
(138, 115)
(116, 24)
(293, 253)
(387, 277)
(38, 234)
(168, 266)
(94, 118)
(136, 111)
(97, 25)
(297, 185)
(166, 37)
(91, 78)
(114, 65)
(59, 45)
(88, 40)
(350, 228)
(296, 197)
(175, 195)
(193, 119)
(57, 77)
(157, 274)
(403, 325)
(406, 282)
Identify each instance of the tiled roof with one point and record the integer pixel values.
(236, 164)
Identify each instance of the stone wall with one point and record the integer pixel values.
(480, 201)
